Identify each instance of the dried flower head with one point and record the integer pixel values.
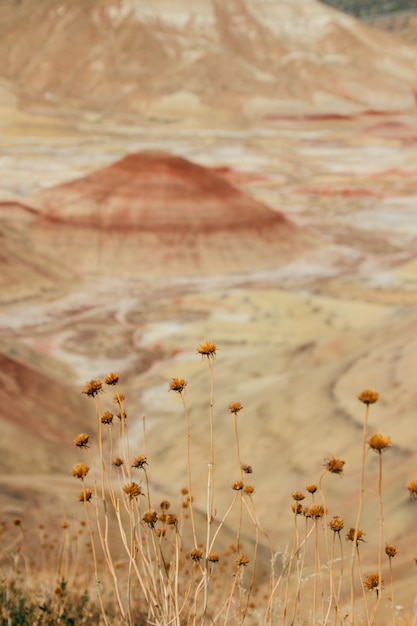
(371, 581)
(92, 387)
(336, 524)
(316, 511)
(150, 517)
(235, 407)
(81, 440)
(213, 557)
(207, 349)
(85, 495)
(172, 519)
(311, 488)
(379, 442)
(165, 504)
(412, 488)
(139, 461)
(333, 465)
(118, 461)
(121, 415)
(247, 469)
(298, 496)
(390, 551)
(196, 554)
(80, 470)
(248, 489)
(237, 485)
(132, 490)
(111, 379)
(297, 508)
(64, 525)
(368, 396)
(241, 560)
(118, 398)
(177, 384)
(107, 417)
(160, 532)
(350, 535)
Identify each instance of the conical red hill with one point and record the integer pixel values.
(155, 213)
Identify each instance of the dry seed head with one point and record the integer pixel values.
(237, 485)
(368, 396)
(150, 517)
(118, 398)
(248, 489)
(92, 387)
(121, 415)
(316, 511)
(160, 532)
(333, 465)
(298, 496)
(297, 508)
(81, 440)
(80, 470)
(118, 461)
(111, 379)
(64, 525)
(412, 488)
(241, 560)
(371, 581)
(213, 557)
(165, 504)
(172, 519)
(85, 495)
(107, 417)
(184, 491)
(350, 535)
(207, 349)
(379, 442)
(247, 469)
(196, 554)
(390, 551)
(311, 488)
(177, 384)
(336, 524)
(235, 407)
(139, 461)
(132, 490)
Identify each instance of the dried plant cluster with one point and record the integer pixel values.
(167, 570)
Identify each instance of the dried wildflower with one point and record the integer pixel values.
(196, 554)
(177, 384)
(298, 496)
(85, 495)
(350, 536)
(235, 407)
(336, 524)
(139, 461)
(237, 485)
(80, 470)
(132, 490)
(247, 469)
(297, 508)
(107, 417)
(121, 415)
(333, 465)
(111, 379)
(213, 557)
(311, 488)
(118, 461)
(368, 396)
(172, 519)
(160, 532)
(92, 388)
(379, 442)
(118, 398)
(165, 504)
(412, 488)
(64, 524)
(390, 551)
(371, 582)
(241, 560)
(81, 440)
(248, 489)
(150, 517)
(207, 349)
(316, 511)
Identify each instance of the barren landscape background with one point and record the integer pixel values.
(243, 172)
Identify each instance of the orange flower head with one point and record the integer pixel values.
(207, 349)
(368, 396)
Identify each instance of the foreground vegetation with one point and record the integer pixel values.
(166, 567)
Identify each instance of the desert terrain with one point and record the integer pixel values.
(244, 174)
